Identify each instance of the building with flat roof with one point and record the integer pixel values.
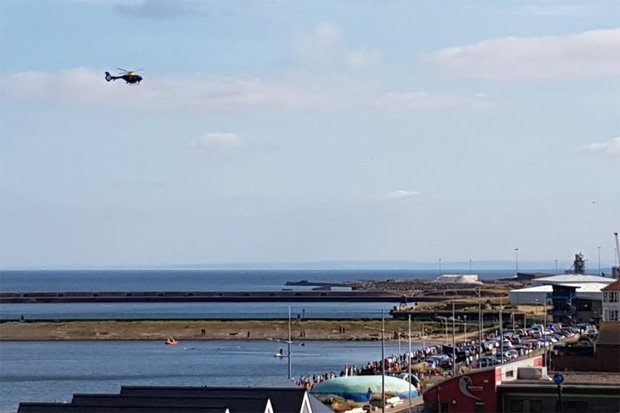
(522, 386)
(572, 279)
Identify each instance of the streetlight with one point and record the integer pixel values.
(288, 345)
(382, 362)
(599, 260)
(480, 321)
(382, 330)
(453, 341)
(501, 330)
(409, 357)
(445, 319)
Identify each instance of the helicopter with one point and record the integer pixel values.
(128, 76)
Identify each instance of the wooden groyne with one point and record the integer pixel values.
(208, 296)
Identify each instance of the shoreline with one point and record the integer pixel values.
(307, 330)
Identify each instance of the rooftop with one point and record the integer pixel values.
(572, 278)
(614, 286)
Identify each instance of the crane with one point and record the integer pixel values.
(617, 249)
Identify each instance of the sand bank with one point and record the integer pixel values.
(204, 330)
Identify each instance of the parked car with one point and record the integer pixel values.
(486, 362)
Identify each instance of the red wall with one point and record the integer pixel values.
(462, 392)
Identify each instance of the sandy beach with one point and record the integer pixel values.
(206, 330)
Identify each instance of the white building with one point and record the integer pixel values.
(531, 295)
(611, 302)
(458, 279)
(587, 287)
(571, 279)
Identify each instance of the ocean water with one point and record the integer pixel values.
(198, 280)
(53, 371)
(201, 280)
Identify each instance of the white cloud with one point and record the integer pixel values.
(205, 94)
(217, 140)
(589, 54)
(611, 147)
(401, 193)
(198, 93)
(361, 58)
(325, 46)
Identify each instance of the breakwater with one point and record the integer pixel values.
(208, 296)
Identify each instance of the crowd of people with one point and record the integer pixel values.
(438, 359)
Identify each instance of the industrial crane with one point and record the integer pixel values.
(615, 272)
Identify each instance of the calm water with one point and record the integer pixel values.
(203, 311)
(149, 280)
(49, 371)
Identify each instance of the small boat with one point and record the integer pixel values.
(280, 353)
(171, 341)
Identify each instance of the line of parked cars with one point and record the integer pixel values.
(512, 345)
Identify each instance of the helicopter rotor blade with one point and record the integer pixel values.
(122, 70)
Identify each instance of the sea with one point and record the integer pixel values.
(197, 280)
(54, 370)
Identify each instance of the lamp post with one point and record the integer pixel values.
(409, 357)
(599, 260)
(558, 379)
(453, 341)
(382, 362)
(480, 321)
(382, 330)
(501, 331)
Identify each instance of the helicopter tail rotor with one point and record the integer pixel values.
(108, 76)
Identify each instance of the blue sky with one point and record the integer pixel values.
(299, 131)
